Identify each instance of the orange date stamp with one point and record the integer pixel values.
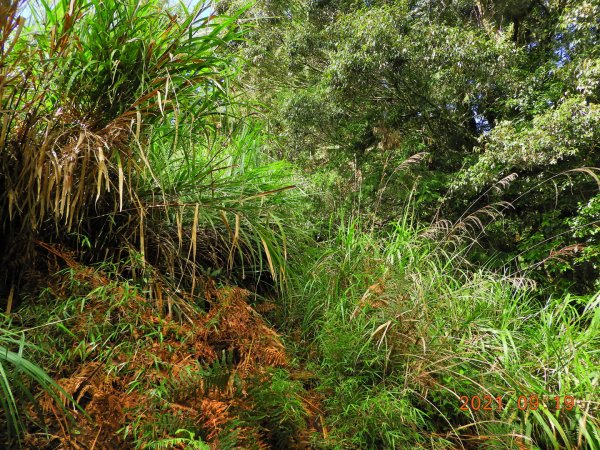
(530, 402)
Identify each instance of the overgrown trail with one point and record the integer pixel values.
(299, 224)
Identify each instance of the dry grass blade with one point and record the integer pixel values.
(194, 245)
(591, 171)
(271, 192)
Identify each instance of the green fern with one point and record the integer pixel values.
(190, 442)
(218, 374)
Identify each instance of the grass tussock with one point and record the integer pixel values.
(398, 335)
(110, 112)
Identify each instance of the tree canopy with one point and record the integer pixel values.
(502, 96)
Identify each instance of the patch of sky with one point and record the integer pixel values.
(482, 124)
(562, 53)
(29, 9)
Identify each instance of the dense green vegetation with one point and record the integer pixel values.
(300, 224)
(501, 95)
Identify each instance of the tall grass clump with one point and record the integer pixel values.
(118, 127)
(121, 144)
(399, 333)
